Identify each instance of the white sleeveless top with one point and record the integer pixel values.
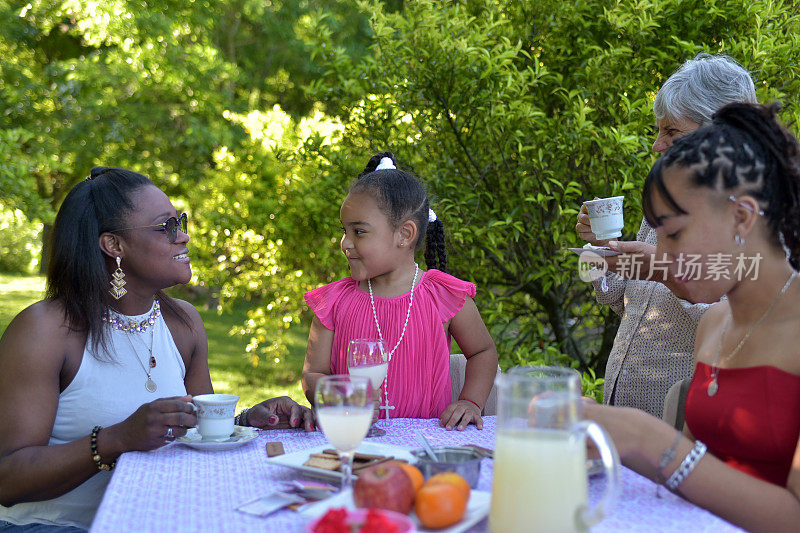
(104, 392)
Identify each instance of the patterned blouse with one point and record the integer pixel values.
(654, 346)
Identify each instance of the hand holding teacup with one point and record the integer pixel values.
(600, 220)
(153, 424)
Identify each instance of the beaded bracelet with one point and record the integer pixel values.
(95, 455)
(474, 403)
(241, 418)
(686, 467)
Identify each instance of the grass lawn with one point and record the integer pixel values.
(16, 293)
(231, 371)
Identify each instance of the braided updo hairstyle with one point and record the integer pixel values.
(401, 197)
(747, 150)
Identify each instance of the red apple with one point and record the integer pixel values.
(385, 486)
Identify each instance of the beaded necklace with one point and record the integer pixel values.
(129, 327)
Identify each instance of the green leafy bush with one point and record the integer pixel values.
(19, 242)
(516, 112)
(512, 112)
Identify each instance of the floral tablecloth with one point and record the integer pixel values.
(177, 488)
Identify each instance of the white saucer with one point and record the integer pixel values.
(241, 435)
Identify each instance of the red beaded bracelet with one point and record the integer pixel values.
(470, 401)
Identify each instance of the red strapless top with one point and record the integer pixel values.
(752, 423)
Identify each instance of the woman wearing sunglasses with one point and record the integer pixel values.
(106, 363)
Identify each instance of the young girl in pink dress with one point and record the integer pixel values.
(414, 311)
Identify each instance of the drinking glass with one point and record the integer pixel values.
(540, 468)
(343, 405)
(368, 358)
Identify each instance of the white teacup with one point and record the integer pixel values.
(215, 414)
(605, 217)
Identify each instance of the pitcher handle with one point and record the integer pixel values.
(589, 516)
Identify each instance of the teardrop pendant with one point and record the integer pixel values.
(150, 385)
(713, 387)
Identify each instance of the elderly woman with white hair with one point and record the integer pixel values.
(655, 340)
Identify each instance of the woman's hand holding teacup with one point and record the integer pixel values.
(584, 228)
(155, 424)
(281, 413)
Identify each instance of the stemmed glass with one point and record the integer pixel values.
(344, 406)
(368, 358)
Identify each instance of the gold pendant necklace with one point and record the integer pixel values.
(713, 387)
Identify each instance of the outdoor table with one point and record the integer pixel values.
(177, 488)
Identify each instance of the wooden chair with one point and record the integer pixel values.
(458, 365)
(675, 402)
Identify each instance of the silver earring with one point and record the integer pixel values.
(738, 239)
(118, 281)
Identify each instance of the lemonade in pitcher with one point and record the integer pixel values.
(540, 478)
(539, 481)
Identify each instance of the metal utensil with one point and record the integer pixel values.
(464, 461)
(425, 444)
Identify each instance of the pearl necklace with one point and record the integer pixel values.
(713, 387)
(408, 314)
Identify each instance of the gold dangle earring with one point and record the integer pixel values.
(118, 281)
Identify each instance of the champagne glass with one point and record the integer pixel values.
(368, 358)
(344, 406)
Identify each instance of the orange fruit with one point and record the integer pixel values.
(451, 478)
(417, 479)
(440, 505)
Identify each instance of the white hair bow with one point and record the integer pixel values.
(385, 164)
(431, 215)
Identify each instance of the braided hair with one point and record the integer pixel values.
(401, 196)
(745, 149)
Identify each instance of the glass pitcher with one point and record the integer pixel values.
(540, 467)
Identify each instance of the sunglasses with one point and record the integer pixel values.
(169, 226)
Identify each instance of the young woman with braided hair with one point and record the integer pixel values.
(388, 296)
(730, 190)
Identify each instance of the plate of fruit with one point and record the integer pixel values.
(443, 503)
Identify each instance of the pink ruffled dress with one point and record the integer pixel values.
(418, 382)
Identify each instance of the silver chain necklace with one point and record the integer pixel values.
(408, 314)
(713, 387)
(150, 385)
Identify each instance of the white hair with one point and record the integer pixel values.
(702, 86)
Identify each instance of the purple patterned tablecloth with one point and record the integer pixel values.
(177, 488)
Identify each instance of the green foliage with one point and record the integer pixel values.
(19, 238)
(266, 228)
(515, 112)
(144, 85)
(591, 385)
(512, 112)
